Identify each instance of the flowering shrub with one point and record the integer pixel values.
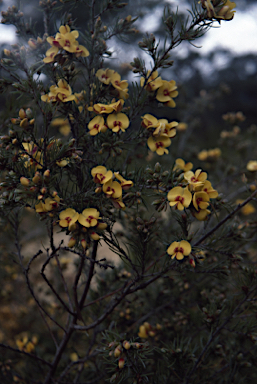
(127, 234)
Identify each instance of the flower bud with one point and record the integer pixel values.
(71, 242)
(117, 351)
(37, 178)
(101, 226)
(22, 113)
(121, 363)
(24, 181)
(94, 236)
(83, 243)
(126, 344)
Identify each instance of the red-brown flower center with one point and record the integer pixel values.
(179, 249)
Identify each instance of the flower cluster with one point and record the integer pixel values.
(25, 118)
(210, 155)
(221, 10)
(64, 40)
(33, 156)
(195, 189)
(165, 90)
(161, 132)
(82, 224)
(112, 78)
(116, 120)
(111, 188)
(147, 330)
(24, 344)
(119, 350)
(60, 92)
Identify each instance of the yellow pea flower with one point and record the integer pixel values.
(118, 121)
(179, 198)
(154, 82)
(196, 180)
(201, 200)
(101, 175)
(34, 156)
(112, 189)
(248, 209)
(159, 144)
(202, 214)
(226, 12)
(181, 165)
(101, 108)
(179, 249)
(125, 184)
(63, 124)
(117, 83)
(105, 75)
(96, 125)
(68, 217)
(207, 187)
(167, 92)
(149, 121)
(50, 54)
(61, 92)
(89, 217)
(165, 128)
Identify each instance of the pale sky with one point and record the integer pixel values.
(238, 35)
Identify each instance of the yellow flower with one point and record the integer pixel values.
(66, 40)
(101, 175)
(125, 184)
(207, 187)
(68, 217)
(63, 162)
(179, 249)
(252, 165)
(118, 121)
(101, 108)
(63, 124)
(179, 197)
(112, 189)
(61, 92)
(149, 121)
(226, 12)
(167, 92)
(154, 82)
(50, 54)
(96, 125)
(105, 75)
(34, 157)
(202, 214)
(196, 180)
(181, 165)
(143, 330)
(165, 128)
(207, 4)
(247, 209)
(158, 144)
(89, 217)
(200, 200)
(120, 85)
(211, 154)
(118, 105)
(181, 127)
